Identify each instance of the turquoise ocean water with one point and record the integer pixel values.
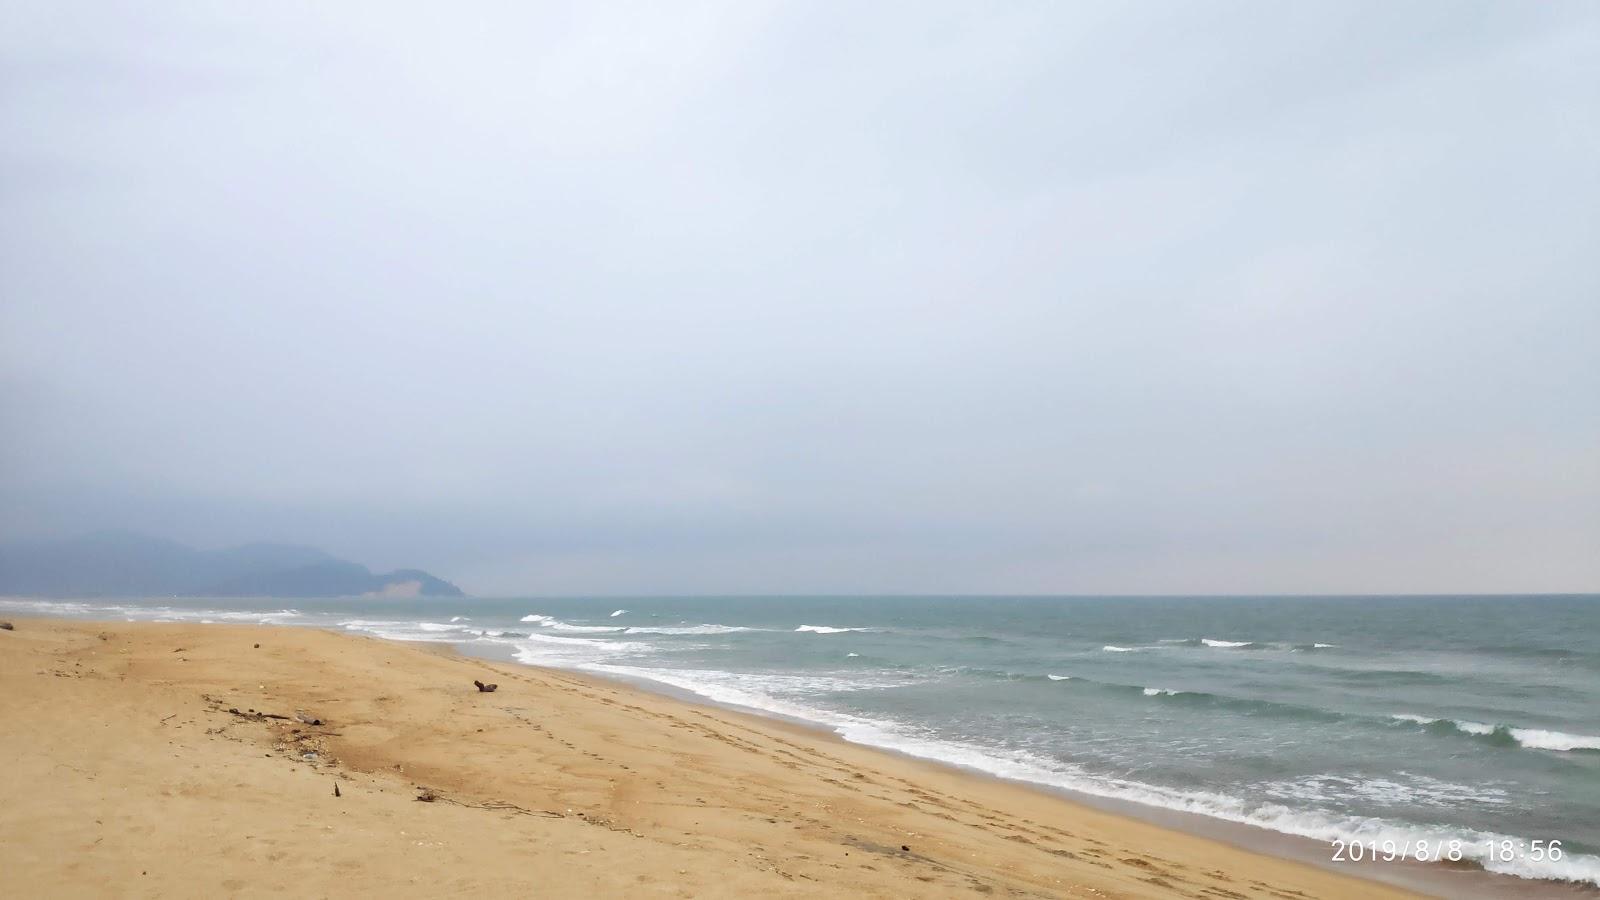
(1463, 722)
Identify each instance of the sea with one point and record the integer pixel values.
(1407, 728)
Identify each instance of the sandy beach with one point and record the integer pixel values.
(136, 762)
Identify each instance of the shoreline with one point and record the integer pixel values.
(1427, 878)
(134, 760)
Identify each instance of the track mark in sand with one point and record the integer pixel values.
(1156, 870)
(1266, 887)
(905, 855)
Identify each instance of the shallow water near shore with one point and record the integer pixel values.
(1468, 723)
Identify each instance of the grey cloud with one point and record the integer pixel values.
(801, 297)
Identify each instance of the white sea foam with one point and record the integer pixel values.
(555, 624)
(1401, 790)
(439, 626)
(1224, 644)
(826, 629)
(1537, 739)
(777, 692)
(618, 613)
(434, 632)
(571, 652)
(1112, 648)
(397, 630)
(137, 612)
(460, 619)
(852, 654)
(725, 687)
(583, 629)
(1157, 692)
(1059, 677)
(686, 629)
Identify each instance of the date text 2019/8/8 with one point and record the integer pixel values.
(1503, 850)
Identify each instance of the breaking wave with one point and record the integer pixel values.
(556, 624)
(1506, 735)
(686, 629)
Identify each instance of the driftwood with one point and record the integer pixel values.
(486, 688)
(7, 626)
(336, 789)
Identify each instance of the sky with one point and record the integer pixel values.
(813, 297)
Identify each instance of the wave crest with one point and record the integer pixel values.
(555, 624)
(686, 629)
(1528, 738)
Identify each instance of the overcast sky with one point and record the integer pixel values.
(914, 297)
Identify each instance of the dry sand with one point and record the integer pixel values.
(123, 772)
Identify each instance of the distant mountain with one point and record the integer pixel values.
(120, 563)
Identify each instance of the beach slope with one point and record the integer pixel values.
(135, 762)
